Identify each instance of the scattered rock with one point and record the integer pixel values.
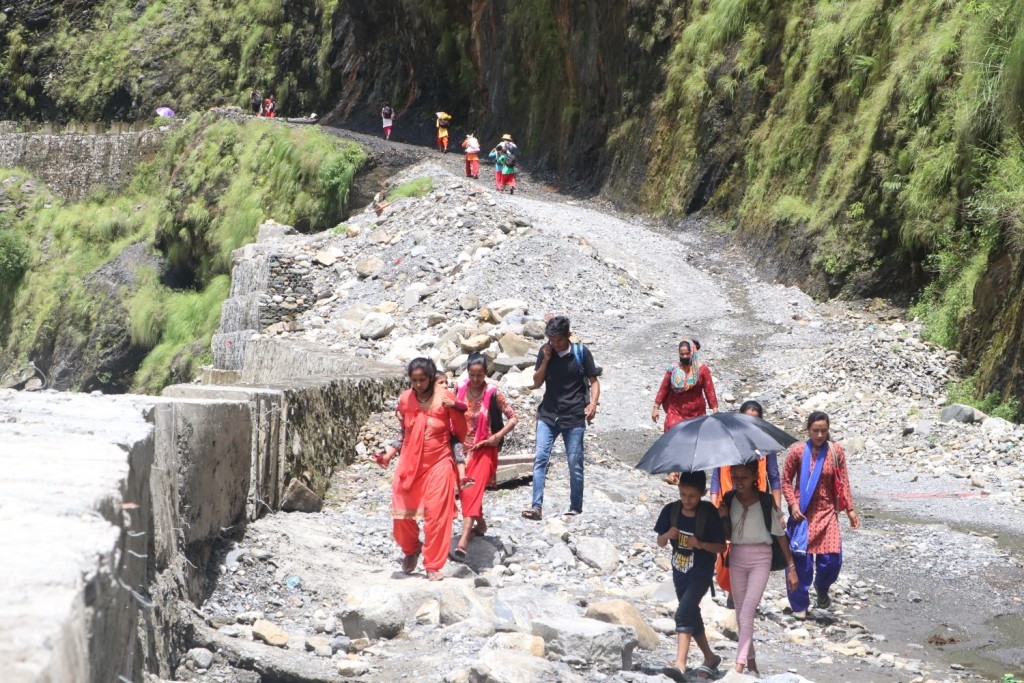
(624, 614)
(268, 633)
(376, 326)
(369, 266)
(599, 553)
(299, 498)
(201, 656)
(605, 646)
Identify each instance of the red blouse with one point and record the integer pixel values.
(683, 405)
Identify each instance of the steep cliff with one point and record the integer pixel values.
(858, 147)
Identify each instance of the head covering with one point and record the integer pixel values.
(684, 379)
(506, 136)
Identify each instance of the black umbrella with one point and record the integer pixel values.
(710, 441)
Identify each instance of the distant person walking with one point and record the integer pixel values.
(489, 418)
(686, 391)
(255, 101)
(565, 369)
(472, 147)
(424, 481)
(816, 485)
(505, 163)
(387, 117)
(269, 107)
(443, 121)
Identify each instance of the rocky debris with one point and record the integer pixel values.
(299, 498)
(525, 577)
(622, 613)
(587, 641)
(202, 657)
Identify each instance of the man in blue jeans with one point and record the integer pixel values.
(566, 409)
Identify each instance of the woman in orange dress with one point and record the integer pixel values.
(484, 403)
(424, 481)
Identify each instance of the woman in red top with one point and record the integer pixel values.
(824, 493)
(687, 390)
(483, 402)
(424, 482)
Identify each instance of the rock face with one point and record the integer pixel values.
(603, 645)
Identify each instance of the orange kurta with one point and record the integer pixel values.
(424, 481)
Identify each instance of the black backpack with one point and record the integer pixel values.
(510, 159)
(386, 113)
(495, 418)
(767, 508)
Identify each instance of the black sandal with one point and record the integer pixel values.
(532, 513)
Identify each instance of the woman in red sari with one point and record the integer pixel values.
(484, 403)
(424, 482)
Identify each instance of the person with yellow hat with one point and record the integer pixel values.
(443, 121)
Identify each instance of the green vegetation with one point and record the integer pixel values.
(203, 196)
(413, 188)
(118, 59)
(966, 392)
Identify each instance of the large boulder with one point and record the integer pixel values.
(624, 614)
(376, 326)
(515, 608)
(299, 498)
(504, 307)
(516, 345)
(599, 553)
(958, 412)
(605, 646)
(509, 666)
(477, 342)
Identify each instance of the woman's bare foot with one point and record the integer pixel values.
(435, 576)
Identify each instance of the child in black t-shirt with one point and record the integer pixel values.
(694, 529)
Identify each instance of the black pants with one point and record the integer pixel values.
(690, 590)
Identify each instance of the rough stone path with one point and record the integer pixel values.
(332, 575)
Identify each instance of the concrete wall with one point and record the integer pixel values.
(72, 164)
(110, 511)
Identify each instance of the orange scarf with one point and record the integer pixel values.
(412, 443)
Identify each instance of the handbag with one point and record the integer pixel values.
(840, 485)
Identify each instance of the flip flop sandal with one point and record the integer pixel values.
(409, 562)
(705, 673)
(824, 601)
(674, 673)
(435, 576)
(532, 513)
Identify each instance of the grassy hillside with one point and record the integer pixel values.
(152, 264)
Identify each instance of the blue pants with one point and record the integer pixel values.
(690, 590)
(573, 440)
(824, 569)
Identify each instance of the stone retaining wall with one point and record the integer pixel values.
(73, 164)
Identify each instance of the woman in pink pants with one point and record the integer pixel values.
(755, 530)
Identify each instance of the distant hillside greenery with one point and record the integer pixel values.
(855, 147)
(101, 59)
(212, 184)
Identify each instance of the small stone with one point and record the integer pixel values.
(469, 302)
(369, 266)
(352, 667)
(202, 657)
(248, 617)
(341, 644)
(268, 633)
(299, 498)
(376, 326)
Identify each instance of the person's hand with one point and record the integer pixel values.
(797, 515)
(655, 414)
(447, 401)
(854, 519)
(547, 351)
(791, 579)
(672, 534)
(590, 412)
(382, 459)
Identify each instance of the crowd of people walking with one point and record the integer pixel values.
(738, 537)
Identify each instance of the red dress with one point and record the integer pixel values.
(683, 405)
(424, 482)
(822, 520)
(482, 463)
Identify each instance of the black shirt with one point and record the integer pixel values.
(686, 560)
(565, 389)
